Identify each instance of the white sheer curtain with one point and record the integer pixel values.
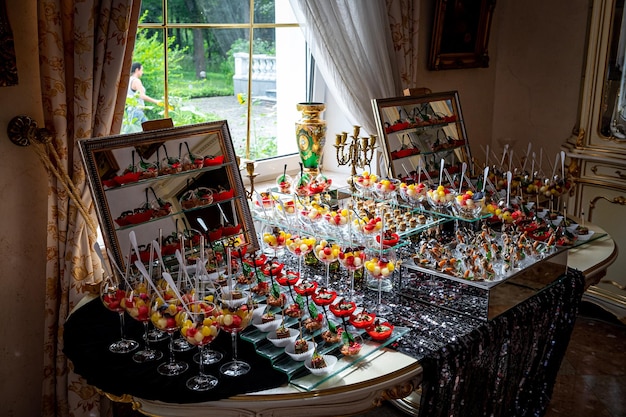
(352, 45)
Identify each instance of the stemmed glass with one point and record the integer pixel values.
(337, 221)
(235, 316)
(299, 246)
(364, 183)
(326, 252)
(387, 189)
(469, 204)
(164, 317)
(352, 258)
(311, 212)
(180, 344)
(414, 194)
(207, 355)
(137, 305)
(369, 227)
(200, 326)
(284, 182)
(287, 211)
(275, 240)
(441, 198)
(380, 266)
(112, 295)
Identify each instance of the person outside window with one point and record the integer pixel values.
(138, 97)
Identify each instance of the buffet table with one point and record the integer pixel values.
(502, 367)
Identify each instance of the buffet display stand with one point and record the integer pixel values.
(506, 366)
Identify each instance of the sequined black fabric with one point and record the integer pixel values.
(504, 367)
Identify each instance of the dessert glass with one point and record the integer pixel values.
(112, 295)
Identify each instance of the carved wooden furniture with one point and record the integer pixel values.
(597, 147)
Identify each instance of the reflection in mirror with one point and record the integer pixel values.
(613, 118)
(171, 185)
(420, 131)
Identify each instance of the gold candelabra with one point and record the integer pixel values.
(358, 153)
(251, 176)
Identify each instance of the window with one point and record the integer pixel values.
(205, 73)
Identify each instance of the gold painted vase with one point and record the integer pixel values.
(311, 136)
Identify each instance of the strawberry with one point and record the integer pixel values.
(143, 312)
(236, 321)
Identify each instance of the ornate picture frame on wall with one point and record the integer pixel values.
(461, 34)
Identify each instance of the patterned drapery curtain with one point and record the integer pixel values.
(404, 19)
(85, 52)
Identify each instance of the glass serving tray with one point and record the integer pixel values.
(580, 242)
(296, 371)
(308, 381)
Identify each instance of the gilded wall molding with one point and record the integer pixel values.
(621, 200)
(619, 176)
(580, 138)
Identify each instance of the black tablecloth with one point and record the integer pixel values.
(506, 367)
(89, 331)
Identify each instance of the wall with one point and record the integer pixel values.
(23, 190)
(475, 85)
(530, 92)
(538, 72)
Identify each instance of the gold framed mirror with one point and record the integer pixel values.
(421, 130)
(176, 185)
(613, 109)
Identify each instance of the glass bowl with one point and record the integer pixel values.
(469, 204)
(364, 182)
(441, 197)
(413, 193)
(284, 183)
(386, 188)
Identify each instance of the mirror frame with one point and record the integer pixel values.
(612, 119)
(98, 159)
(396, 118)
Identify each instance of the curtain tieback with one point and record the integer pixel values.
(23, 131)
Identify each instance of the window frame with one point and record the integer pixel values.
(164, 27)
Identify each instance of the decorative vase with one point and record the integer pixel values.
(311, 136)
